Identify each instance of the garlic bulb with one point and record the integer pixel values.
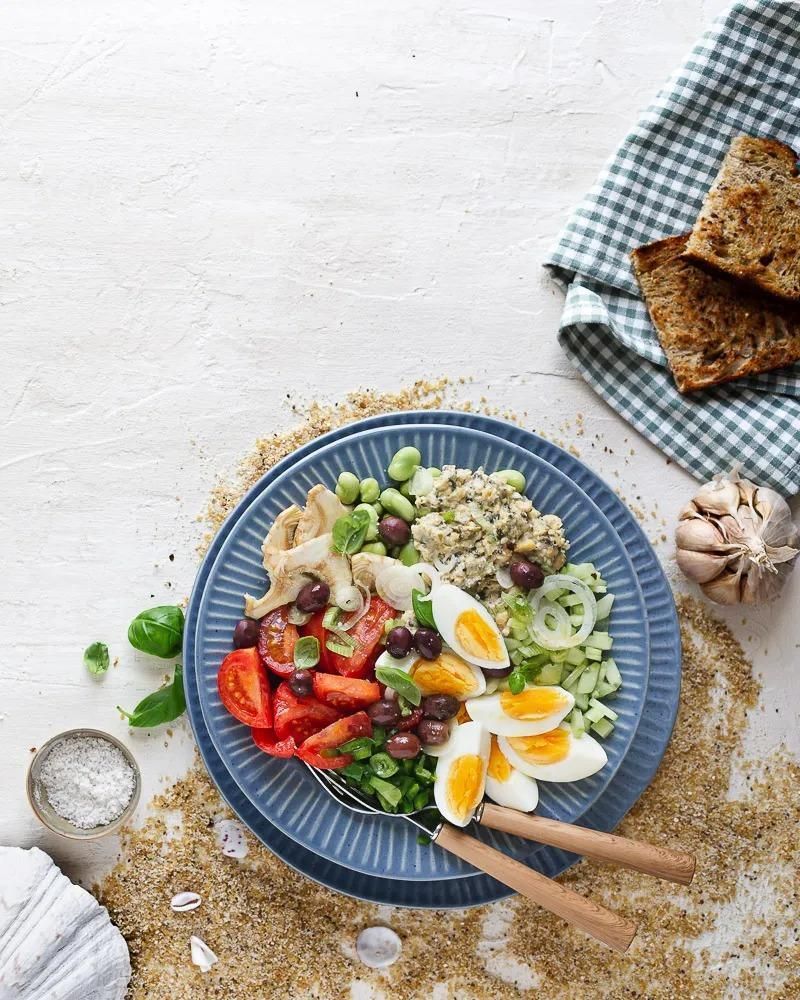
(737, 541)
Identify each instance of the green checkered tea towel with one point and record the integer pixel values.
(743, 77)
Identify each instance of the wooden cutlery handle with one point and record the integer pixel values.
(595, 920)
(662, 862)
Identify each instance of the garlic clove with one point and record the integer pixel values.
(700, 566)
(718, 497)
(202, 956)
(185, 902)
(698, 535)
(723, 589)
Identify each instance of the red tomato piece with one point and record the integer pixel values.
(348, 694)
(265, 740)
(409, 722)
(244, 688)
(314, 627)
(334, 736)
(367, 633)
(276, 639)
(298, 718)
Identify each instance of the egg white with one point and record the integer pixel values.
(468, 739)
(585, 756)
(516, 791)
(447, 604)
(488, 709)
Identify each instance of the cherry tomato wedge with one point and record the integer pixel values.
(265, 740)
(298, 718)
(244, 688)
(348, 694)
(314, 627)
(367, 633)
(276, 639)
(334, 736)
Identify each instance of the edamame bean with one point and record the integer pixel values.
(514, 479)
(372, 530)
(370, 490)
(435, 473)
(347, 486)
(403, 464)
(395, 503)
(405, 488)
(378, 508)
(378, 548)
(408, 555)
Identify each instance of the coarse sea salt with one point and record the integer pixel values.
(88, 781)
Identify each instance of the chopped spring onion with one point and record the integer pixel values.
(331, 617)
(383, 765)
(399, 681)
(334, 646)
(389, 793)
(603, 728)
(306, 652)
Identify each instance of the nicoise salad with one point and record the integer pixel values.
(428, 639)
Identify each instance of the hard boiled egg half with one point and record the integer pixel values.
(461, 773)
(467, 627)
(447, 674)
(536, 709)
(554, 756)
(507, 786)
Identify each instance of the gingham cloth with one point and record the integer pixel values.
(743, 77)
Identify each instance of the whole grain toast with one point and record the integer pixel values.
(712, 329)
(749, 225)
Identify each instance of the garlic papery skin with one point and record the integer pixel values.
(737, 541)
(202, 956)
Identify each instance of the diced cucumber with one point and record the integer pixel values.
(605, 712)
(550, 674)
(613, 676)
(604, 606)
(588, 680)
(594, 714)
(603, 728)
(576, 620)
(600, 640)
(581, 571)
(571, 680)
(516, 656)
(592, 653)
(582, 701)
(570, 600)
(575, 657)
(604, 689)
(577, 722)
(519, 632)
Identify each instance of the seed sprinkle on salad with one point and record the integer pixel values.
(425, 637)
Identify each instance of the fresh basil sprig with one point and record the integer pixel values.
(422, 609)
(350, 531)
(95, 658)
(158, 631)
(399, 681)
(161, 706)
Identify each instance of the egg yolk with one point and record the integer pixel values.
(447, 674)
(464, 784)
(499, 768)
(547, 748)
(533, 703)
(478, 638)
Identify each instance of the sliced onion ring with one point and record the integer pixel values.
(358, 614)
(395, 583)
(552, 640)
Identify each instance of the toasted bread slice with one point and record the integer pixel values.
(712, 329)
(749, 225)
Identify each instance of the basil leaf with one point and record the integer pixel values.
(350, 532)
(95, 658)
(161, 706)
(158, 631)
(306, 652)
(399, 681)
(422, 609)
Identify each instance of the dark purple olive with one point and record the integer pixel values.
(313, 597)
(394, 530)
(384, 712)
(433, 733)
(497, 671)
(427, 643)
(402, 746)
(245, 634)
(526, 574)
(399, 642)
(301, 683)
(439, 706)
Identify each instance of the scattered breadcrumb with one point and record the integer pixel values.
(733, 933)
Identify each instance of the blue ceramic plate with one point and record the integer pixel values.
(285, 793)
(636, 770)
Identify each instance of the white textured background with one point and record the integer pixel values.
(213, 209)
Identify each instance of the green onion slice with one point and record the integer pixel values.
(306, 652)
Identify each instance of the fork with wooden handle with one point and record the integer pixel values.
(661, 862)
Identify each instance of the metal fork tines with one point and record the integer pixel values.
(352, 799)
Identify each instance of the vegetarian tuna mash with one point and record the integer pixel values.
(428, 640)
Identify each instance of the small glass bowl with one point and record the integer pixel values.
(37, 794)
